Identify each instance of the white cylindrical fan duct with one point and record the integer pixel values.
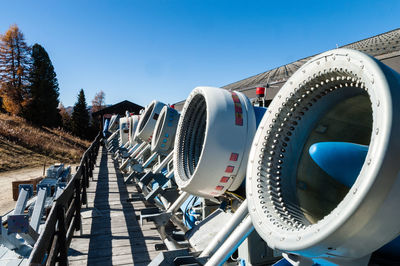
(145, 128)
(114, 122)
(164, 131)
(341, 96)
(212, 142)
(123, 130)
(133, 123)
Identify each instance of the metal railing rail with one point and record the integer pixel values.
(65, 214)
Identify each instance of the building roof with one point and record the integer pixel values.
(378, 46)
(120, 108)
(385, 47)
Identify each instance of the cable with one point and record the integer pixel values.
(235, 195)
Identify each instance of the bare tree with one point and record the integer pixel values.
(99, 101)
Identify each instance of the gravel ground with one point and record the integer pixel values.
(6, 178)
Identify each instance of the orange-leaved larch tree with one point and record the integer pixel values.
(65, 117)
(14, 70)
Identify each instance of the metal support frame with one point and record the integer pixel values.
(150, 160)
(147, 177)
(161, 219)
(19, 223)
(126, 145)
(8, 240)
(217, 241)
(133, 155)
(112, 137)
(159, 178)
(129, 178)
(132, 149)
(138, 149)
(38, 209)
(24, 195)
(168, 257)
(152, 194)
(175, 206)
(232, 243)
(141, 153)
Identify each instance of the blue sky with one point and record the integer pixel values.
(145, 50)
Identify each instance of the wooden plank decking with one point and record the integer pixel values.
(111, 232)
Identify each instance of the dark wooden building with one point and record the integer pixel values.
(119, 108)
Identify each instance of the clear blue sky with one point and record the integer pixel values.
(144, 50)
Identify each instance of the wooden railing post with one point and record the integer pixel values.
(97, 146)
(61, 234)
(77, 205)
(83, 178)
(90, 160)
(87, 167)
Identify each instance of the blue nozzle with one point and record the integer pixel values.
(341, 160)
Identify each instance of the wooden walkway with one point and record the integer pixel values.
(111, 231)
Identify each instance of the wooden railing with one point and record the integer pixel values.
(65, 214)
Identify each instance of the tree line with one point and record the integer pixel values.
(29, 88)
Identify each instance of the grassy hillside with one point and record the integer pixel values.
(23, 145)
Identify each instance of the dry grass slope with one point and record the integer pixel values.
(23, 145)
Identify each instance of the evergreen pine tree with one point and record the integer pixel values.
(42, 107)
(80, 117)
(14, 69)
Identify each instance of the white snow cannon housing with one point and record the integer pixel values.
(123, 130)
(145, 128)
(298, 204)
(212, 142)
(164, 131)
(114, 123)
(133, 123)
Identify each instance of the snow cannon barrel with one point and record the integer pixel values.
(145, 128)
(114, 123)
(123, 130)
(105, 132)
(299, 201)
(212, 142)
(164, 131)
(133, 123)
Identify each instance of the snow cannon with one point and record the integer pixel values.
(114, 123)
(162, 145)
(213, 140)
(164, 131)
(322, 178)
(123, 130)
(144, 132)
(133, 123)
(113, 129)
(145, 128)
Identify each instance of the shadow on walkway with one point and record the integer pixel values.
(139, 253)
(101, 223)
(101, 238)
